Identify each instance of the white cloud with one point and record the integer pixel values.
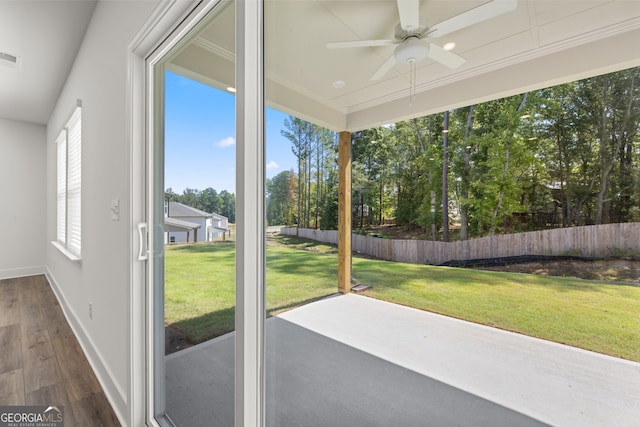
(272, 165)
(227, 142)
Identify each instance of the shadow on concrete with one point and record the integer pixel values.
(313, 381)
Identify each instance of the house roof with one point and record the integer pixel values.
(173, 224)
(218, 216)
(180, 210)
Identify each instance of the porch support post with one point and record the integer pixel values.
(344, 212)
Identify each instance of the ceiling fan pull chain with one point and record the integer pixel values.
(412, 81)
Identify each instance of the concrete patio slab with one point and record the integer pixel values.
(352, 360)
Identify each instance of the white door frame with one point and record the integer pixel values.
(250, 214)
(169, 23)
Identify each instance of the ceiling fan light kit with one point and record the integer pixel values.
(411, 51)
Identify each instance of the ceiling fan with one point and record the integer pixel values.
(410, 35)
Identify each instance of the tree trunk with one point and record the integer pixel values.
(308, 209)
(433, 216)
(299, 195)
(466, 171)
(380, 202)
(318, 156)
(445, 179)
(604, 187)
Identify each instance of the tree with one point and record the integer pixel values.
(564, 155)
(418, 172)
(281, 199)
(228, 208)
(190, 197)
(210, 201)
(445, 178)
(371, 168)
(463, 169)
(298, 131)
(611, 103)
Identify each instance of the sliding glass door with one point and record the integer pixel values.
(192, 197)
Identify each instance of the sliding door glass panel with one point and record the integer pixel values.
(195, 194)
(305, 385)
(344, 359)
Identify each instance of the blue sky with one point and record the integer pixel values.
(200, 137)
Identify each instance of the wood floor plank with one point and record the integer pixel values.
(28, 291)
(11, 358)
(9, 334)
(12, 388)
(9, 311)
(31, 317)
(8, 289)
(56, 322)
(95, 411)
(37, 344)
(54, 394)
(41, 284)
(79, 379)
(39, 362)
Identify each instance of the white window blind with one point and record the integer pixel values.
(69, 188)
(74, 175)
(62, 187)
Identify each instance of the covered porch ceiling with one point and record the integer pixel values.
(539, 43)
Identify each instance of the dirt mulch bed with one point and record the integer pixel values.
(610, 270)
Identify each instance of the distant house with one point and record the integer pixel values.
(219, 226)
(186, 224)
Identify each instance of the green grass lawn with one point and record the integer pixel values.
(598, 316)
(200, 285)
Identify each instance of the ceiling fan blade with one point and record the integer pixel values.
(445, 57)
(359, 43)
(481, 13)
(384, 69)
(409, 11)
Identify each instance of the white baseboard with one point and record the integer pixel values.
(22, 272)
(114, 394)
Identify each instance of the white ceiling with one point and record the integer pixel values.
(540, 43)
(45, 35)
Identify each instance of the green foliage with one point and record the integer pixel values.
(315, 150)
(281, 199)
(620, 252)
(560, 156)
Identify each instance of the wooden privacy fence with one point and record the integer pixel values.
(589, 241)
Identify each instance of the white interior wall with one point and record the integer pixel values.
(22, 214)
(99, 78)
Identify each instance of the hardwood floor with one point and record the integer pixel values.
(41, 362)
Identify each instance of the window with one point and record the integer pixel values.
(69, 159)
